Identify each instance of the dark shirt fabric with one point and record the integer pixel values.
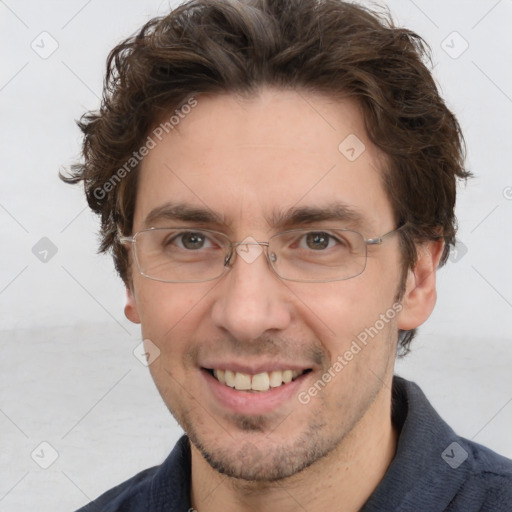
(433, 470)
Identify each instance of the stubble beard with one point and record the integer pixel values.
(259, 458)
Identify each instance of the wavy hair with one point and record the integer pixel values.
(327, 46)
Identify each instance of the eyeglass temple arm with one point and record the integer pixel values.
(375, 241)
(379, 239)
(125, 239)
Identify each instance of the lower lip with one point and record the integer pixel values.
(256, 402)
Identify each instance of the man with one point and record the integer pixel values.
(277, 184)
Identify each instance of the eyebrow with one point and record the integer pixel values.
(183, 212)
(279, 219)
(299, 216)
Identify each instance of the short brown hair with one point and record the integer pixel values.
(326, 46)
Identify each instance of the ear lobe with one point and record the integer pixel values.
(131, 310)
(420, 293)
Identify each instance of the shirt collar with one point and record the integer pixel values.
(421, 462)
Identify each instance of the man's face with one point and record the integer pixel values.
(250, 162)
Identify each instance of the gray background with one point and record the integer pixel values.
(68, 374)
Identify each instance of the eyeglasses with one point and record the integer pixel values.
(189, 255)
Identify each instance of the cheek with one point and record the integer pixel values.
(358, 331)
(345, 307)
(170, 317)
(170, 313)
(346, 318)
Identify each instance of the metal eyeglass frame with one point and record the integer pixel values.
(230, 257)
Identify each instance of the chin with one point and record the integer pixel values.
(257, 455)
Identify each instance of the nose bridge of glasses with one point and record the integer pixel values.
(250, 242)
(232, 249)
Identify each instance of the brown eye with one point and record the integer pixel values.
(317, 240)
(192, 241)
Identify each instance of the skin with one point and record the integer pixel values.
(226, 156)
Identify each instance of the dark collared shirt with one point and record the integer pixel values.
(433, 470)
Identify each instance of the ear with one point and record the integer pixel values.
(131, 310)
(420, 293)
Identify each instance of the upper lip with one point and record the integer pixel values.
(253, 369)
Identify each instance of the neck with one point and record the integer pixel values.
(347, 476)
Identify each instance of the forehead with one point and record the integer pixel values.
(252, 160)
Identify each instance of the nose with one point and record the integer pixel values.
(251, 300)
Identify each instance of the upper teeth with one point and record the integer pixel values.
(259, 382)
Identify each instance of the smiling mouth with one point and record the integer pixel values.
(259, 382)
